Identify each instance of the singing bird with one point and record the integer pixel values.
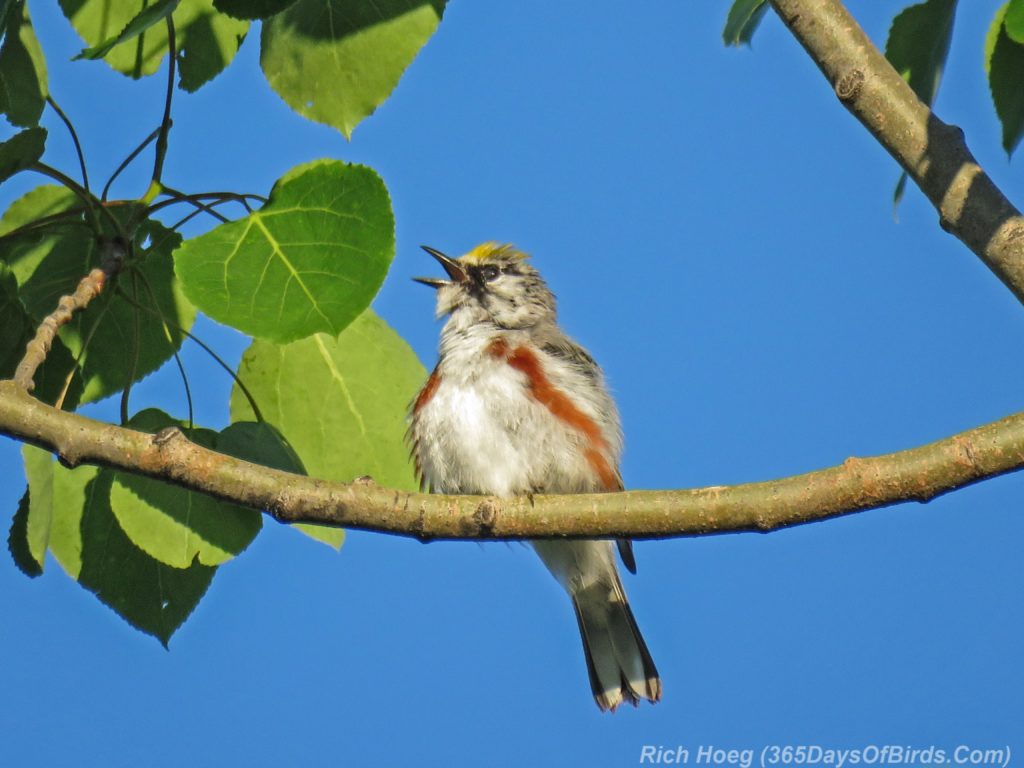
(514, 407)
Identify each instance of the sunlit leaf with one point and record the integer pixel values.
(57, 497)
(146, 18)
(341, 402)
(310, 260)
(336, 61)
(175, 525)
(23, 87)
(1014, 21)
(743, 20)
(261, 443)
(206, 40)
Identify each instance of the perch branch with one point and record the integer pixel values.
(918, 474)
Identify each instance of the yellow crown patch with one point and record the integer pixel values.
(491, 251)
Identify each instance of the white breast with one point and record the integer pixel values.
(482, 432)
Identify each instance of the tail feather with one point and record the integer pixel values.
(618, 662)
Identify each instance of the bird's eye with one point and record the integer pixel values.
(489, 273)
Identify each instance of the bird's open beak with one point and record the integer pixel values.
(455, 270)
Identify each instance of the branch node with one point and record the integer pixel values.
(165, 435)
(848, 86)
(483, 519)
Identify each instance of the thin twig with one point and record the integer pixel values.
(89, 287)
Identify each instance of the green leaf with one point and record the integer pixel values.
(206, 40)
(341, 402)
(174, 525)
(151, 596)
(145, 19)
(743, 20)
(57, 497)
(87, 541)
(14, 324)
(261, 443)
(49, 264)
(17, 541)
(39, 520)
(1014, 21)
(917, 48)
(20, 151)
(336, 61)
(5, 9)
(251, 9)
(23, 88)
(1004, 62)
(897, 195)
(919, 43)
(310, 260)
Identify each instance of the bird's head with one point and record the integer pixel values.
(492, 283)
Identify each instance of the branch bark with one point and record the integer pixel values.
(858, 484)
(933, 153)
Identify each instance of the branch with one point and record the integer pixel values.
(933, 153)
(89, 287)
(918, 474)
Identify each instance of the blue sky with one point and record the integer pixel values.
(720, 234)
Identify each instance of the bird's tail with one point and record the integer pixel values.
(620, 666)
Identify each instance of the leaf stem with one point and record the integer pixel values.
(165, 123)
(136, 343)
(206, 348)
(74, 138)
(238, 197)
(128, 160)
(86, 197)
(83, 194)
(202, 207)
